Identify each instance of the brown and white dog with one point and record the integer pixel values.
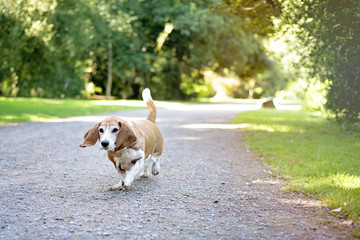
(134, 147)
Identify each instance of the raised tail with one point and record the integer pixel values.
(146, 95)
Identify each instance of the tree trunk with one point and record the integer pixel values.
(109, 64)
(251, 88)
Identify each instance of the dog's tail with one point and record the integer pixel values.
(146, 95)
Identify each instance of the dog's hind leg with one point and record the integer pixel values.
(147, 167)
(156, 164)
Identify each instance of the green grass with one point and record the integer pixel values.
(315, 154)
(38, 109)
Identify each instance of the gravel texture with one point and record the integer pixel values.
(210, 185)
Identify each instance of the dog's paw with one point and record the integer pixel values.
(155, 172)
(145, 175)
(155, 169)
(119, 186)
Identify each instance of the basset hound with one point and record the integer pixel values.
(134, 147)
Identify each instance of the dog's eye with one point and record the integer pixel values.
(115, 130)
(101, 130)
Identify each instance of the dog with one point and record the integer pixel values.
(134, 147)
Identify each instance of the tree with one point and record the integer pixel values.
(255, 21)
(121, 46)
(329, 31)
(257, 15)
(201, 38)
(43, 51)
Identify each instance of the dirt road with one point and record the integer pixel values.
(210, 186)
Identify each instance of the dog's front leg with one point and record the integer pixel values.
(134, 172)
(119, 185)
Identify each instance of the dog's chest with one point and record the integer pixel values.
(128, 158)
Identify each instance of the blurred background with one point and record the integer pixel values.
(184, 50)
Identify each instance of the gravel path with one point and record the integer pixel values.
(210, 186)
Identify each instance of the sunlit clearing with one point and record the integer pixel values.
(133, 103)
(289, 107)
(191, 107)
(206, 107)
(9, 117)
(139, 103)
(34, 118)
(345, 181)
(51, 101)
(213, 126)
(96, 118)
(268, 128)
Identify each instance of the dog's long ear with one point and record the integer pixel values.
(91, 136)
(126, 136)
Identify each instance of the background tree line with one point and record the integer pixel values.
(55, 48)
(67, 48)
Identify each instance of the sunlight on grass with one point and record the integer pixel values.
(267, 128)
(9, 117)
(32, 117)
(315, 154)
(345, 181)
(213, 126)
(36, 109)
(135, 103)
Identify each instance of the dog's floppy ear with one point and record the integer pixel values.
(126, 136)
(91, 136)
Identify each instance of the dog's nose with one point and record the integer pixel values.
(105, 143)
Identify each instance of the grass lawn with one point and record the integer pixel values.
(37, 109)
(315, 154)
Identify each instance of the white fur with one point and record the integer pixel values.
(108, 135)
(146, 95)
(130, 154)
(130, 123)
(151, 165)
(155, 168)
(135, 171)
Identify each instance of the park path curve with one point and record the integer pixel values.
(210, 185)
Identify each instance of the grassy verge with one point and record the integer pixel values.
(37, 109)
(315, 154)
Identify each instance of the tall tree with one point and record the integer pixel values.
(328, 30)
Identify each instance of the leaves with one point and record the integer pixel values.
(54, 48)
(328, 30)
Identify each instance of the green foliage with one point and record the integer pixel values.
(200, 39)
(261, 75)
(330, 47)
(59, 47)
(264, 83)
(43, 48)
(316, 154)
(196, 86)
(257, 15)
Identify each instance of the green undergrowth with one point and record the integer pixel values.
(38, 109)
(316, 155)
